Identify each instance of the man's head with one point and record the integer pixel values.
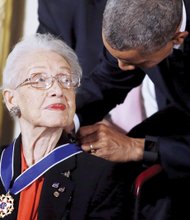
(144, 27)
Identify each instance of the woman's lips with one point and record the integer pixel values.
(56, 106)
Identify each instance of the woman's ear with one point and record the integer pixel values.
(9, 98)
(180, 37)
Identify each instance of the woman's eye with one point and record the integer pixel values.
(39, 79)
(65, 79)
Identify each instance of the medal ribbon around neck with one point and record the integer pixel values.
(56, 156)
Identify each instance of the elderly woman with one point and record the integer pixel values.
(44, 174)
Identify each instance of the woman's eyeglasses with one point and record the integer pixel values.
(44, 81)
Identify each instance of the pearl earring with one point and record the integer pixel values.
(15, 111)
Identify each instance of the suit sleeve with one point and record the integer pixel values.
(174, 155)
(170, 133)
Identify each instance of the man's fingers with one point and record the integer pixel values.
(86, 130)
(90, 146)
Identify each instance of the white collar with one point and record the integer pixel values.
(184, 19)
(183, 23)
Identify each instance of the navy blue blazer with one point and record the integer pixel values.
(94, 189)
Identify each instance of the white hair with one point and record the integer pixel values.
(36, 42)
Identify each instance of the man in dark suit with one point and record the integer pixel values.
(137, 55)
(144, 37)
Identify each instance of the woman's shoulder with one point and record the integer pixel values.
(90, 159)
(95, 165)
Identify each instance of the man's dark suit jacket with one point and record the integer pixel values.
(92, 191)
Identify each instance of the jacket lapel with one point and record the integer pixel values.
(17, 170)
(57, 191)
(187, 7)
(159, 75)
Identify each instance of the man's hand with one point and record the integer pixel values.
(110, 143)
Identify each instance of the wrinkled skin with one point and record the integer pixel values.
(110, 143)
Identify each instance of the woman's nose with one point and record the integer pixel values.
(56, 89)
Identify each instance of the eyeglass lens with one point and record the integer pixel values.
(42, 80)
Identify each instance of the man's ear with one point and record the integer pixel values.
(180, 37)
(9, 98)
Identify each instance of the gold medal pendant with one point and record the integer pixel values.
(6, 205)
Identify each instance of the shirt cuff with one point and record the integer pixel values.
(76, 123)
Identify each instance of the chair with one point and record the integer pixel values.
(148, 179)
